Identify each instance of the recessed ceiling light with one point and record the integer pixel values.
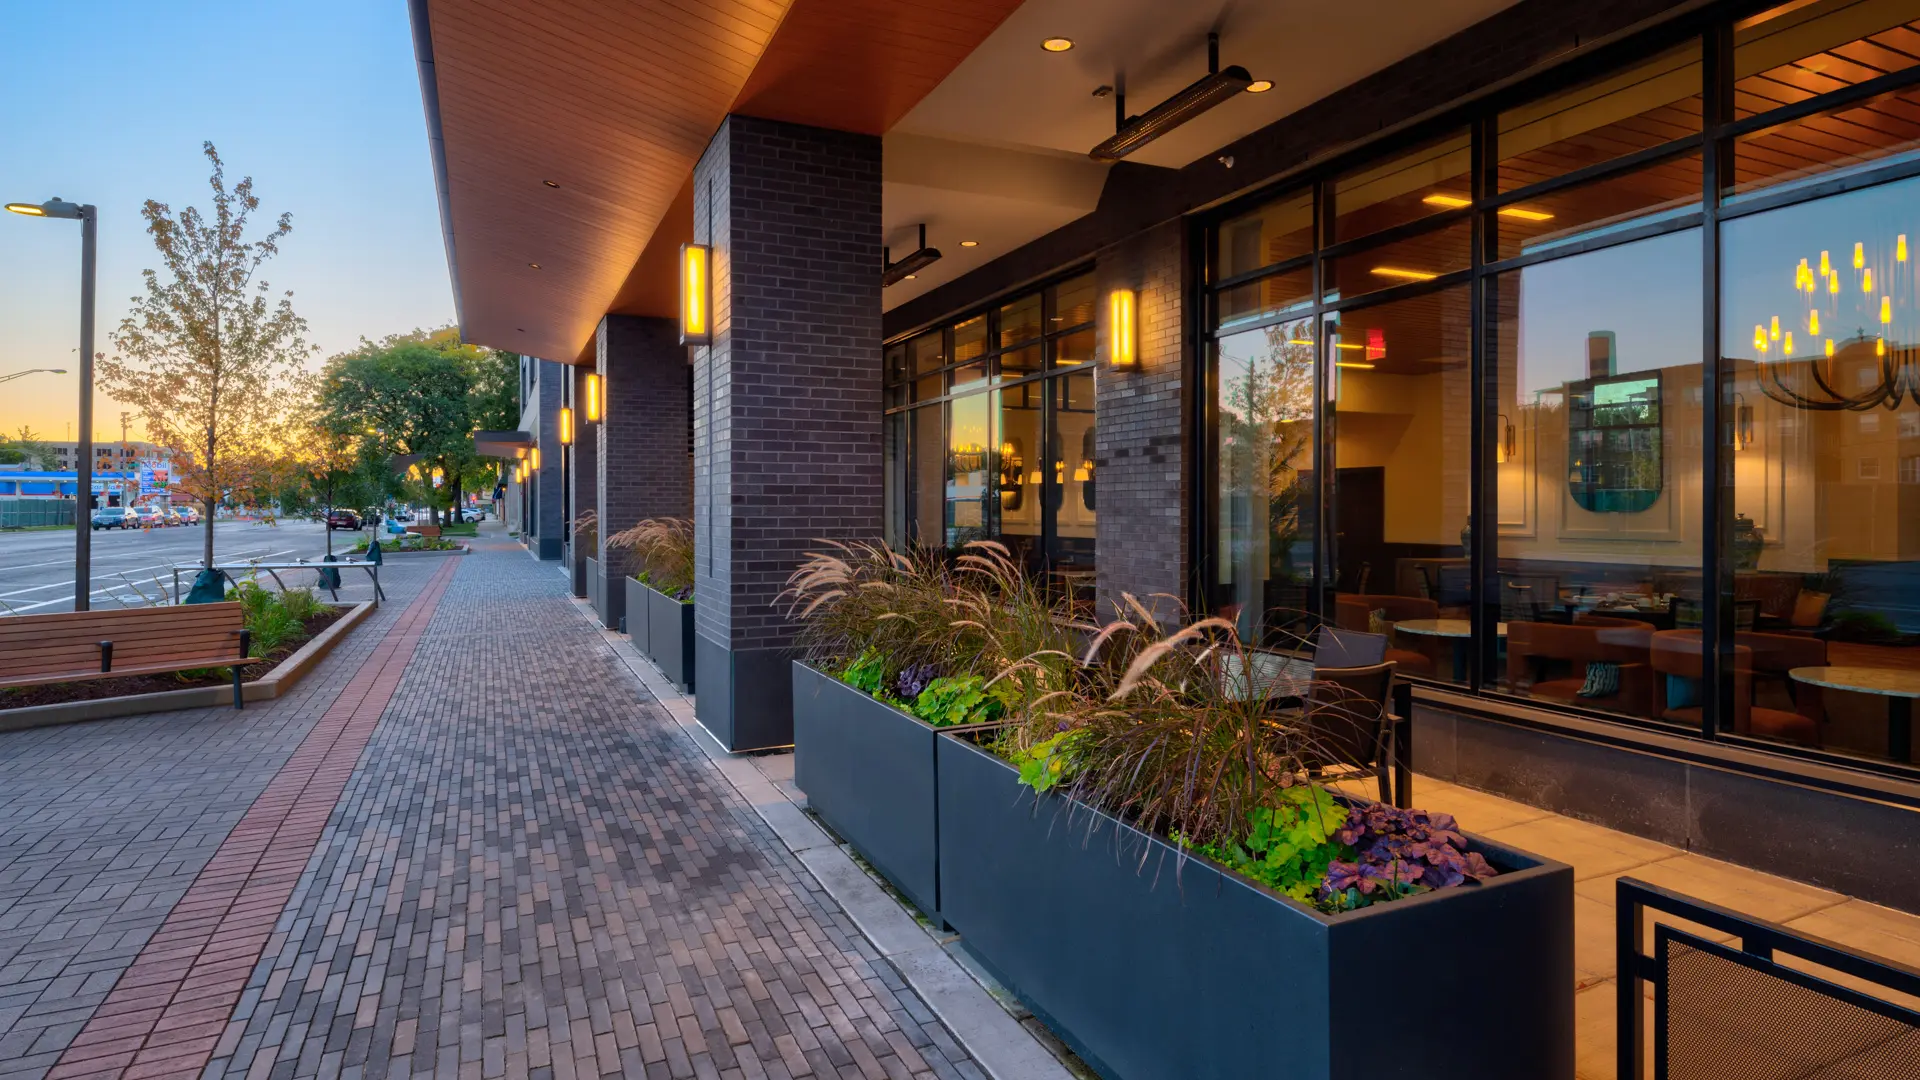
(1057, 44)
(549, 183)
(969, 243)
(1259, 86)
(536, 266)
(1403, 274)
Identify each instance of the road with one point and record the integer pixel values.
(134, 569)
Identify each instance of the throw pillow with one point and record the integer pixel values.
(1603, 679)
(1809, 608)
(1377, 621)
(1682, 692)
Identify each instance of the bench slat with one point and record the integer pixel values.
(151, 669)
(151, 653)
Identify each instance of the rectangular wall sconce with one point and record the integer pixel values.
(566, 426)
(593, 399)
(1123, 320)
(520, 452)
(533, 459)
(696, 294)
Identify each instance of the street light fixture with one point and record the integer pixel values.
(32, 371)
(89, 218)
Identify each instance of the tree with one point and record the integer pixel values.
(26, 448)
(209, 359)
(408, 395)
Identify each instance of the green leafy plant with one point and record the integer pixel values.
(953, 700)
(1287, 847)
(1045, 764)
(302, 604)
(867, 672)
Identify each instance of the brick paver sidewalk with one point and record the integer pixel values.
(529, 872)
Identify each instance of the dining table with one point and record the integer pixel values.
(1457, 631)
(1898, 685)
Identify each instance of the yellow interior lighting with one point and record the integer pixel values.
(1813, 322)
(1356, 365)
(696, 307)
(1866, 280)
(1859, 256)
(1826, 265)
(1829, 348)
(1773, 331)
(1787, 345)
(1402, 274)
(1886, 309)
(533, 458)
(1123, 317)
(1900, 249)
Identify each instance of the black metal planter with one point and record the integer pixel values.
(638, 619)
(670, 637)
(868, 770)
(594, 592)
(1150, 967)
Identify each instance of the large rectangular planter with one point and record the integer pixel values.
(1151, 966)
(670, 637)
(637, 620)
(595, 588)
(868, 771)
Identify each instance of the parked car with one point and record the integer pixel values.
(189, 514)
(147, 517)
(171, 516)
(113, 517)
(343, 519)
(371, 515)
(472, 515)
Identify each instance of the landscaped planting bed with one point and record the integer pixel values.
(1142, 846)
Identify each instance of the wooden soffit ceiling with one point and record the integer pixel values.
(614, 102)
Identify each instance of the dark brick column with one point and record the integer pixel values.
(786, 399)
(583, 476)
(645, 466)
(1140, 535)
(541, 527)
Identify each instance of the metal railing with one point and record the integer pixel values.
(1770, 1002)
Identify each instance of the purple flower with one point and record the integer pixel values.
(913, 679)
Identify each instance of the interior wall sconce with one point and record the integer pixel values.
(592, 394)
(1742, 423)
(696, 294)
(1504, 449)
(1123, 319)
(566, 426)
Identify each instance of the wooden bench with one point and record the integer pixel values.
(77, 646)
(424, 530)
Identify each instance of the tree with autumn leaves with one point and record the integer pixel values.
(211, 360)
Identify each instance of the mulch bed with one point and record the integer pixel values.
(95, 689)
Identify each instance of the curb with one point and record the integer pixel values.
(997, 1041)
(269, 686)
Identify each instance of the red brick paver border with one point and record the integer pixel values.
(166, 1014)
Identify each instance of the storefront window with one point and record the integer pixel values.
(1596, 489)
(1399, 498)
(1004, 447)
(1263, 446)
(1825, 418)
(1419, 183)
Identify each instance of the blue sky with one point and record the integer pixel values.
(317, 100)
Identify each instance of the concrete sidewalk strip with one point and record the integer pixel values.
(990, 1035)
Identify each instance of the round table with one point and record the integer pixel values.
(1898, 685)
(1459, 631)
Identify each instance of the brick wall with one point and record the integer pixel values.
(787, 398)
(1141, 437)
(641, 441)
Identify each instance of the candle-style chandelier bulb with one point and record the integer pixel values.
(1886, 309)
(1813, 322)
(1773, 330)
(1866, 280)
(1900, 249)
(1829, 348)
(1859, 256)
(1826, 265)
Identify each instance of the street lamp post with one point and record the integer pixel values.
(89, 218)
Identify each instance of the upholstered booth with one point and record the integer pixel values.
(1553, 660)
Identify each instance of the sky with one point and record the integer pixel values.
(317, 100)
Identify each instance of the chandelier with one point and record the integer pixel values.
(1896, 367)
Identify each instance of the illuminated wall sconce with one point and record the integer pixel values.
(593, 399)
(520, 452)
(533, 459)
(566, 426)
(1503, 450)
(1124, 328)
(696, 294)
(1742, 423)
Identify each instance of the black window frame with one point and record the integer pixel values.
(1713, 28)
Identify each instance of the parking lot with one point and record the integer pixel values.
(134, 568)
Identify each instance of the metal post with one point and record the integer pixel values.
(83, 518)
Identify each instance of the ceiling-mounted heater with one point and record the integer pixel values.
(910, 264)
(1133, 132)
